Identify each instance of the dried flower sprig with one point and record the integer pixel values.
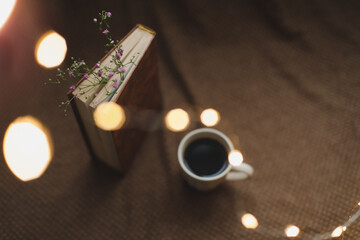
(104, 28)
(98, 75)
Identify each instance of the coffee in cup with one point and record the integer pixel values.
(203, 157)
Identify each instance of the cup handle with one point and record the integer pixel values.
(240, 172)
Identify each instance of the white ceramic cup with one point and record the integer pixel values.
(209, 182)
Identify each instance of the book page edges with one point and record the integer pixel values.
(119, 43)
(106, 136)
(102, 93)
(105, 57)
(121, 88)
(89, 131)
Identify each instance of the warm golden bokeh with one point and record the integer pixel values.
(27, 148)
(6, 7)
(177, 120)
(337, 232)
(210, 117)
(50, 50)
(235, 158)
(109, 116)
(249, 221)
(292, 231)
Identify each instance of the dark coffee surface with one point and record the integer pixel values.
(205, 157)
(285, 77)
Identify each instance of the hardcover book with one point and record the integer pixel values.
(138, 92)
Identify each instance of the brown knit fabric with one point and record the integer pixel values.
(284, 76)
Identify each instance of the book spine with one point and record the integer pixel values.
(141, 93)
(81, 125)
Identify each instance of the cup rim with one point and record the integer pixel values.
(186, 138)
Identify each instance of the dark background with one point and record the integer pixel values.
(284, 76)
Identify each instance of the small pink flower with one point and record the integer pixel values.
(99, 73)
(97, 65)
(115, 85)
(86, 76)
(120, 53)
(122, 69)
(110, 74)
(72, 88)
(108, 14)
(105, 31)
(95, 20)
(71, 73)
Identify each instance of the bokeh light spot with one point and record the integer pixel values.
(27, 148)
(6, 7)
(249, 221)
(177, 120)
(337, 232)
(109, 116)
(50, 50)
(235, 158)
(210, 117)
(292, 231)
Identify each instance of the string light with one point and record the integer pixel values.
(249, 221)
(6, 7)
(109, 116)
(177, 120)
(27, 148)
(292, 231)
(337, 232)
(210, 117)
(50, 50)
(235, 158)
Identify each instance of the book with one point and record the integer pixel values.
(138, 93)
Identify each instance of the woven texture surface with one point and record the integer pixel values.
(284, 76)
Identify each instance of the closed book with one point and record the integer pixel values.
(138, 93)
